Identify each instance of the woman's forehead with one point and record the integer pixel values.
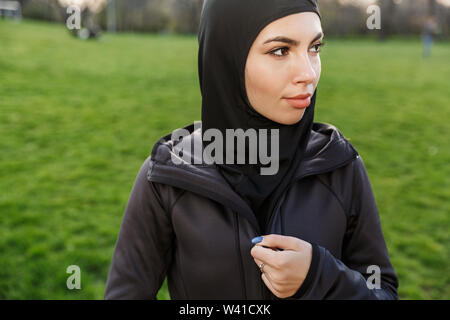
(300, 27)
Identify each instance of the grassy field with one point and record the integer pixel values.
(77, 119)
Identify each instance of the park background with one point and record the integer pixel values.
(79, 117)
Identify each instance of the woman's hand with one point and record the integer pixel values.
(283, 271)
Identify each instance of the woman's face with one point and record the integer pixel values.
(283, 63)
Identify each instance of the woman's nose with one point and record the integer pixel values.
(303, 71)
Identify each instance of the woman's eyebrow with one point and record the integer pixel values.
(291, 41)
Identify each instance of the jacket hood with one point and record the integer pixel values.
(327, 150)
(227, 31)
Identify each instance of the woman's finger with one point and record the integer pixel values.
(266, 255)
(265, 268)
(267, 281)
(281, 242)
(257, 262)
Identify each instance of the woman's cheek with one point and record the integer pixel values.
(317, 70)
(267, 82)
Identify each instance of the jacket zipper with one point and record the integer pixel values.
(278, 204)
(272, 214)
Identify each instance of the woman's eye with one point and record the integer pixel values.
(279, 52)
(317, 47)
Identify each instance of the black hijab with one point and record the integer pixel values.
(228, 29)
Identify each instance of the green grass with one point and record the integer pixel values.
(77, 119)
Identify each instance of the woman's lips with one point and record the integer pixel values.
(300, 103)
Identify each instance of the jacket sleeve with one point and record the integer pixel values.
(364, 251)
(143, 248)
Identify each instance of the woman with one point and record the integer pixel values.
(200, 222)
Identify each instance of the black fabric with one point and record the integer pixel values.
(181, 222)
(312, 273)
(228, 29)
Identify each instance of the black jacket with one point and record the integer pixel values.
(185, 222)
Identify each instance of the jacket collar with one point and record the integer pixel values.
(327, 150)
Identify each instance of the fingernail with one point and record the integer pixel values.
(257, 240)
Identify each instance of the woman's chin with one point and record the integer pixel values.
(291, 118)
(285, 115)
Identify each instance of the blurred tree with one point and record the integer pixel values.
(111, 15)
(42, 10)
(388, 9)
(186, 15)
(141, 15)
(340, 17)
(432, 6)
